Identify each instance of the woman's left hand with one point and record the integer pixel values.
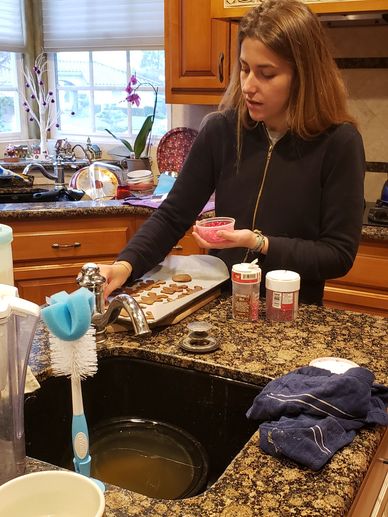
(233, 239)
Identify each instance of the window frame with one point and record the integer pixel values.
(14, 136)
(100, 138)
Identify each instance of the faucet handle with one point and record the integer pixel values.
(91, 278)
(90, 275)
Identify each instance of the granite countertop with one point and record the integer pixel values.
(255, 484)
(21, 211)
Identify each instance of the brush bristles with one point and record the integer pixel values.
(74, 358)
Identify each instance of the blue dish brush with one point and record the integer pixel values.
(73, 354)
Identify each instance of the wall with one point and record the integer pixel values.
(368, 91)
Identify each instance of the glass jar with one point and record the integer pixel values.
(140, 182)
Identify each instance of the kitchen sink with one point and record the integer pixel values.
(21, 195)
(40, 195)
(208, 407)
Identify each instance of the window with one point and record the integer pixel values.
(94, 54)
(90, 87)
(10, 118)
(12, 41)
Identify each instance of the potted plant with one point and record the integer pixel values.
(138, 152)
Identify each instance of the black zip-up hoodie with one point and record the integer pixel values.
(311, 206)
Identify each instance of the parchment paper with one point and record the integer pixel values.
(206, 271)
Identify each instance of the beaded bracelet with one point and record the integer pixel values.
(260, 241)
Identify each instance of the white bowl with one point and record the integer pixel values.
(54, 493)
(333, 364)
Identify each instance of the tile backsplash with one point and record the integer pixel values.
(366, 78)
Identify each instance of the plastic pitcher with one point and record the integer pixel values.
(18, 320)
(6, 263)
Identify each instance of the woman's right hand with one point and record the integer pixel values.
(116, 275)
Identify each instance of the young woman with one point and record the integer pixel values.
(283, 156)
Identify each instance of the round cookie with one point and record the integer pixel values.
(181, 277)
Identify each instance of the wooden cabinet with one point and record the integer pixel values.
(197, 51)
(372, 498)
(365, 287)
(200, 43)
(49, 253)
(232, 9)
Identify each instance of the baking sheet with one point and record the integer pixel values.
(206, 271)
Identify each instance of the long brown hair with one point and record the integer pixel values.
(318, 97)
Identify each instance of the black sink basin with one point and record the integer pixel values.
(40, 195)
(210, 408)
(21, 195)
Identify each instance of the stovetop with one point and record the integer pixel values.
(376, 214)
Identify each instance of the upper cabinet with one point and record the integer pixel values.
(200, 43)
(233, 9)
(197, 50)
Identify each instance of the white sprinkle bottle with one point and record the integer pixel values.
(282, 295)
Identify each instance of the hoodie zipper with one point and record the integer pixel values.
(268, 159)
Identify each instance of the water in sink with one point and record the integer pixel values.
(208, 407)
(148, 457)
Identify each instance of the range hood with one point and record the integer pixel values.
(354, 20)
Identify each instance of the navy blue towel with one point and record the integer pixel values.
(310, 413)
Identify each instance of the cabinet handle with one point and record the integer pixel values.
(177, 247)
(221, 58)
(56, 245)
(383, 460)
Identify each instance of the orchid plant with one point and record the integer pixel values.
(137, 149)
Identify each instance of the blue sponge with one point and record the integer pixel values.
(69, 315)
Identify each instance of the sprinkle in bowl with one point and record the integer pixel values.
(208, 228)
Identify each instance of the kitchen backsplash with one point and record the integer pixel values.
(362, 55)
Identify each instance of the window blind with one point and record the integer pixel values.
(12, 25)
(102, 24)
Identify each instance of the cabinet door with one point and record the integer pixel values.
(35, 283)
(364, 287)
(197, 53)
(371, 499)
(49, 253)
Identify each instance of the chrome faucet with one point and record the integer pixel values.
(59, 172)
(132, 308)
(87, 154)
(91, 278)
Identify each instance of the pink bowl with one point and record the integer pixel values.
(208, 228)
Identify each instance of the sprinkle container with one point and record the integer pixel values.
(282, 295)
(246, 291)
